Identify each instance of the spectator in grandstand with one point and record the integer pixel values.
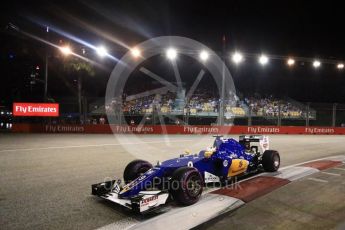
(102, 120)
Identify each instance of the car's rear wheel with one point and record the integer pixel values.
(271, 160)
(186, 186)
(134, 169)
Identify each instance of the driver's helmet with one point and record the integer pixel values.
(247, 146)
(209, 152)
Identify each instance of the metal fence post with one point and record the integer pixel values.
(307, 114)
(250, 116)
(279, 115)
(334, 114)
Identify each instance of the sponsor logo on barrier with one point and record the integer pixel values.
(133, 129)
(199, 130)
(259, 129)
(153, 129)
(36, 109)
(319, 130)
(64, 129)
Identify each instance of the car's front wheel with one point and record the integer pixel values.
(271, 160)
(134, 169)
(186, 186)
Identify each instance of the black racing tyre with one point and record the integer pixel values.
(186, 185)
(271, 160)
(134, 169)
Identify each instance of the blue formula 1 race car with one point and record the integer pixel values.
(182, 179)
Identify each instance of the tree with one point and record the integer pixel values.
(82, 69)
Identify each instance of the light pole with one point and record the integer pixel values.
(46, 69)
(46, 78)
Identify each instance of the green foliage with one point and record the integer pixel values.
(79, 66)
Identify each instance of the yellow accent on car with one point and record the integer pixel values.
(124, 189)
(237, 167)
(208, 154)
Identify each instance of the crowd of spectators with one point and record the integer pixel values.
(148, 103)
(203, 101)
(271, 106)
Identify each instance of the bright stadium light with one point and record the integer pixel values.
(171, 53)
(135, 52)
(316, 64)
(66, 50)
(237, 58)
(263, 60)
(340, 66)
(290, 62)
(203, 55)
(102, 51)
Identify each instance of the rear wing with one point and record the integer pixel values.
(251, 138)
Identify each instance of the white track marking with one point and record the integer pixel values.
(125, 223)
(331, 174)
(317, 180)
(209, 189)
(295, 173)
(86, 146)
(342, 169)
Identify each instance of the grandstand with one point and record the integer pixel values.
(205, 105)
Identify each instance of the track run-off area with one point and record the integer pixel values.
(46, 179)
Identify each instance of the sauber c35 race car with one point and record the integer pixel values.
(182, 179)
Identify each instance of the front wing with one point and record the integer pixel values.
(145, 201)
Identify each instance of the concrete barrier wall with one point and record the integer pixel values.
(175, 129)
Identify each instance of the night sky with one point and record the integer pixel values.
(285, 28)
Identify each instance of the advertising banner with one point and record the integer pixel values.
(36, 109)
(176, 129)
